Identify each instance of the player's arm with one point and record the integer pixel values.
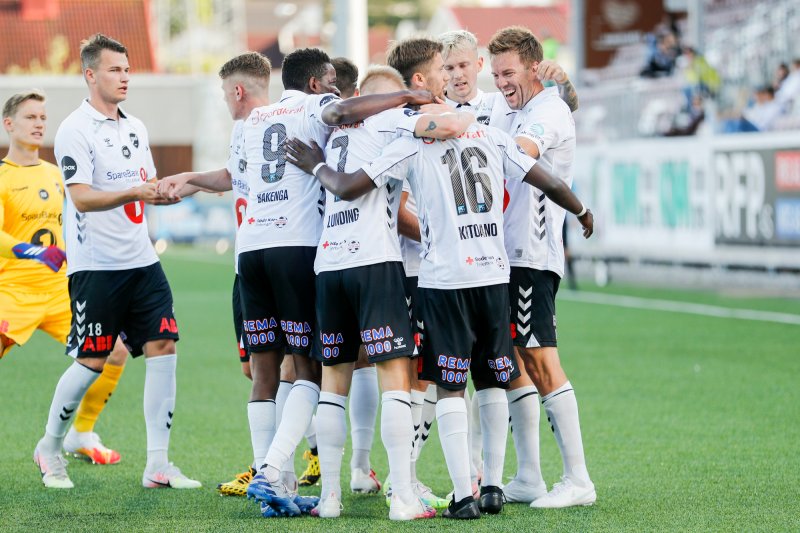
(12, 248)
(440, 121)
(87, 199)
(188, 183)
(557, 191)
(407, 222)
(311, 159)
(360, 107)
(550, 70)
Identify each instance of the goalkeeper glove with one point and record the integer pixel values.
(52, 256)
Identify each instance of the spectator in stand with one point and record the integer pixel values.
(761, 116)
(662, 61)
(687, 122)
(781, 73)
(789, 91)
(701, 78)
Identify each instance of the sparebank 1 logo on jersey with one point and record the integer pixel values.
(135, 210)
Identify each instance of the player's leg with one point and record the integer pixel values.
(336, 380)
(446, 348)
(81, 440)
(363, 410)
(494, 367)
(387, 336)
(149, 327)
(523, 405)
(288, 475)
(21, 314)
(291, 277)
(94, 328)
(558, 398)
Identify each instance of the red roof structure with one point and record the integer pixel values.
(44, 35)
(544, 22)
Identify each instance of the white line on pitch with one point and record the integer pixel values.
(673, 306)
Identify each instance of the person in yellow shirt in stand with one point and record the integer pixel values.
(33, 285)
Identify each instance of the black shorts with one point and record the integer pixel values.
(236, 302)
(533, 311)
(277, 291)
(465, 330)
(134, 304)
(410, 285)
(363, 305)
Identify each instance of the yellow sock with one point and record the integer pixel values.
(96, 397)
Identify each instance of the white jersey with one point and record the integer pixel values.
(284, 204)
(410, 248)
(534, 223)
(458, 186)
(490, 109)
(363, 231)
(237, 167)
(108, 155)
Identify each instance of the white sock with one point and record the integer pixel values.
(475, 436)
(301, 403)
(396, 431)
(562, 411)
(524, 411)
(159, 404)
(74, 383)
(493, 408)
(311, 433)
(428, 416)
(363, 410)
(261, 415)
(280, 399)
(417, 403)
(473, 465)
(332, 430)
(451, 415)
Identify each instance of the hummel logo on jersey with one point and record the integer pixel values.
(43, 194)
(107, 140)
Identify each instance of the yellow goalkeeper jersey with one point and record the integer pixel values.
(31, 205)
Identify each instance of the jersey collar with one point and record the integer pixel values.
(475, 102)
(288, 93)
(87, 108)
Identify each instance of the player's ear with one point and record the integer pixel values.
(417, 80)
(479, 62)
(239, 92)
(314, 85)
(357, 92)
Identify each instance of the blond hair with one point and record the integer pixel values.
(12, 104)
(458, 40)
(376, 73)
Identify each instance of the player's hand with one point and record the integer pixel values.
(52, 256)
(148, 193)
(436, 109)
(550, 70)
(171, 187)
(587, 221)
(420, 98)
(303, 156)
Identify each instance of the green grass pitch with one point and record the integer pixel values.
(690, 423)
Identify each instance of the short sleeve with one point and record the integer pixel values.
(398, 121)
(516, 163)
(540, 129)
(393, 162)
(74, 155)
(317, 103)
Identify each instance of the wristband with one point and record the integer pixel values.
(583, 211)
(316, 169)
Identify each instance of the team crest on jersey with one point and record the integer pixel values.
(134, 140)
(43, 194)
(483, 119)
(242, 165)
(409, 112)
(126, 152)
